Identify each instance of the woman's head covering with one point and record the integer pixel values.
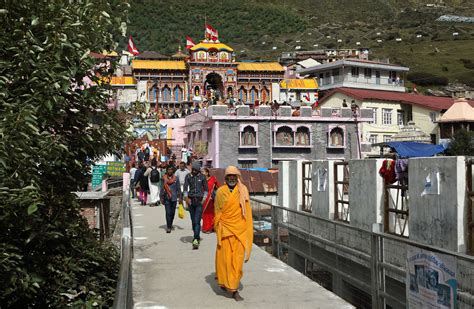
(243, 191)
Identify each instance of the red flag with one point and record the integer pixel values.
(189, 42)
(132, 48)
(211, 33)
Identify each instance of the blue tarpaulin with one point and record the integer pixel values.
(414, 149)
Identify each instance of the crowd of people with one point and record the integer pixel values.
(223, 209)
(181, 112)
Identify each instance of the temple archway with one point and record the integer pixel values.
(214, 86)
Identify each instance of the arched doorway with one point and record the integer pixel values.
(214, 86)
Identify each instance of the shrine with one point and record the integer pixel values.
(209, 74)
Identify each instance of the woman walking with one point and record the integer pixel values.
(208, 206)
(141, 179)
(170, 194)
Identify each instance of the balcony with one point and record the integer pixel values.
(374, 83)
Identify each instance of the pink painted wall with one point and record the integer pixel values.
(177, 126)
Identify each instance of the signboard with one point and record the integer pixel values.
(98, 172)
(115, 169)
(431, 279)
(200, 148)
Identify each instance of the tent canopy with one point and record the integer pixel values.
(413, 149)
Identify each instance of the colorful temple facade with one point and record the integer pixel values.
(209, 73)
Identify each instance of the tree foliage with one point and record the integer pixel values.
(52, 126)
(462, 144)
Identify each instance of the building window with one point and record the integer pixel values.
(387, 138)
(178, 94)
(400, 118)
(246, 164)
(302, 136)
(248, 136)
(373, 138)
(336, 137)
(367, 73)
(433, 116)
(242, 95)
(374, 115)
(152, 94)
(386, 116)
(166, 94)
(355, 72)
(253, 95)
(284, 136)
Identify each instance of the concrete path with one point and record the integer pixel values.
(167, 273)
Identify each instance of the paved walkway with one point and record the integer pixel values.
(167, 273)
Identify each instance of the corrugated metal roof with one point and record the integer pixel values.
(430, 102)
(260, 66)
(299, 84)
(158, 64)
(256, 182)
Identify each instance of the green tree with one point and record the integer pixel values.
(53, 125)
(462, 144)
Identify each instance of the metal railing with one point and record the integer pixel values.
(366, 268)
(124, 292)
(341, 191)
(396, 210)
(307, 186)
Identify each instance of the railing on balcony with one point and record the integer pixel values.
(360, 80)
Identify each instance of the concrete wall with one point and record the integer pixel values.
(438, 219)
(265, 155)
(421, 117)
(323, 189)
(125, 95)
(435, 219)
(365, 193)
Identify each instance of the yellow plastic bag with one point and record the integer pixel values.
(181, 211)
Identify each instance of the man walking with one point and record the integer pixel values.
(234, 230)
(195, 193)
(181, 174)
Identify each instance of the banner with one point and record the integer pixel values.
(200, 148)
(115, 168)
(431, 279)
(163, 131)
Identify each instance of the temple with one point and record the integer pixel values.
(208, 75)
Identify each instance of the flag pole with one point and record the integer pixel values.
(205, 26)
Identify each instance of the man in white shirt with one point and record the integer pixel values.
(181, 174)
(132, 179)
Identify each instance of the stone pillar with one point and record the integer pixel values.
(437, 217)
(287, 184)
(365, 193)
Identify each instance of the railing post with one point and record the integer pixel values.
(275, 244)
(374, 271)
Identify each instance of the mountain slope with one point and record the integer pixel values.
(263, 29)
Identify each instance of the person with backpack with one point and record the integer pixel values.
(154, 178)
(142, 180)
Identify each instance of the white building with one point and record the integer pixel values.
(358, 73)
